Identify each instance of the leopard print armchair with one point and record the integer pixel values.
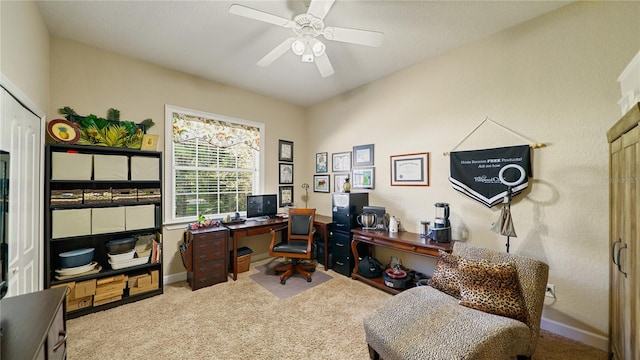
(427, 323)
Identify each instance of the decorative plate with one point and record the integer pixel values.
(63, 131)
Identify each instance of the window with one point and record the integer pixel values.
(212, 163)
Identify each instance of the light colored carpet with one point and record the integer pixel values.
(296, 284)
(243, 320)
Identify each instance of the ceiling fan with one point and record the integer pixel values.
(306, 27)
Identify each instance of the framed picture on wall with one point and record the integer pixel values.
(286, 196)
(410, 169)
(363, 178)
(322, 162)
(338, 182)
(363, 155)
(286, 173)
(341, 162)
(285, 150)
(321, 183)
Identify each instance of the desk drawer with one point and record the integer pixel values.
(208, 254)
(207, 249)
(342, 264)
(209, 273)
(217, 236)
(341, 249)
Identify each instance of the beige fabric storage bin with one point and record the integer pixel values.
(107, 220)
(145, 168)
(110, 167)
(72, 222)
(70, 166)
(140, 217)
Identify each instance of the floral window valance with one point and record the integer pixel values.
(216, 132)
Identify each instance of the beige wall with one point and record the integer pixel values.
(91, 80)
(24, 55)
(553, 80)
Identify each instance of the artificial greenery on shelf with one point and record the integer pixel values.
(111, 131)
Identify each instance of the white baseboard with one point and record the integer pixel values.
(585, 337)
(169, 279)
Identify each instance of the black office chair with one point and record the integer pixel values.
(297, 246)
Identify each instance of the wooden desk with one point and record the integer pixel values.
(403, 241)
(323, 225)
(250, 228)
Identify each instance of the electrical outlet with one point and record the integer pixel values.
(550, 291)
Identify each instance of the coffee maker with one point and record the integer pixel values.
(441, 229)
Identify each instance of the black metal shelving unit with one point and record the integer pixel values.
(53, 246)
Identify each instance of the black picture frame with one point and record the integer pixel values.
(285, 150)
(285, 196)
(322, 183)
(322, 162)
(285, 173)
(363, 155)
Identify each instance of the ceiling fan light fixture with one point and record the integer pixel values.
(298, 47)
(318, 48)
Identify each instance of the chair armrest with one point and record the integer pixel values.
(274, 233)
(279, 229)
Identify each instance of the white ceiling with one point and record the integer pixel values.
(202, 38)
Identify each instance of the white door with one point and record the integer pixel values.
(21, 136)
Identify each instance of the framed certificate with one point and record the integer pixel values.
(410, 169)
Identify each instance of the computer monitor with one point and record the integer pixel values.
(262, 205)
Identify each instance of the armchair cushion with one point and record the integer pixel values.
(293, 247)
(492, 288)
(446, 275)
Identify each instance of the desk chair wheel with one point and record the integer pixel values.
(283, 282)
(308, 279)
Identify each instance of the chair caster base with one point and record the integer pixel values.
(308, 279)
(283, 282)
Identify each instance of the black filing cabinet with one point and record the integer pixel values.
(346, 208)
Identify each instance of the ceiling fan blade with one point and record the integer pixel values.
(354, 36)
(260, 15)
(320, 8)
(277, 52)
(324, 65)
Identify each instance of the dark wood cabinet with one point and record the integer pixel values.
(94, 195)
(34, 326)
(209, 252)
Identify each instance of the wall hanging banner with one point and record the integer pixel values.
(485, 175)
